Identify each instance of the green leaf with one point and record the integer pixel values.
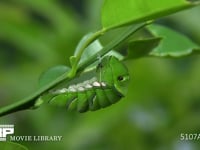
(12, 146)
(52, 74)
(93, 49)
(114, 43)
(86, 41)
(117, 13)
(141, 48)
(82, 42)
(173, 44)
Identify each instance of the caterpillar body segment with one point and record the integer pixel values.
(106, 85)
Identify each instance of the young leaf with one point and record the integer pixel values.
(93, 49)
(173, 44)
(117, 13)
(82, 42)
(52, 74)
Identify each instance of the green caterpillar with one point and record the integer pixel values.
(99, 88)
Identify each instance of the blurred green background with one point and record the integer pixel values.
(163, 99)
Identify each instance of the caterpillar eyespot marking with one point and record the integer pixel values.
(99, 88)
(120, 78)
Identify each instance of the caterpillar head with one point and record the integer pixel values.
(114, 72)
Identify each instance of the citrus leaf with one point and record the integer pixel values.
(117, 13)
(52, 74)
(93, 49)
(141, 48)
(174, 44)
(82, 42)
